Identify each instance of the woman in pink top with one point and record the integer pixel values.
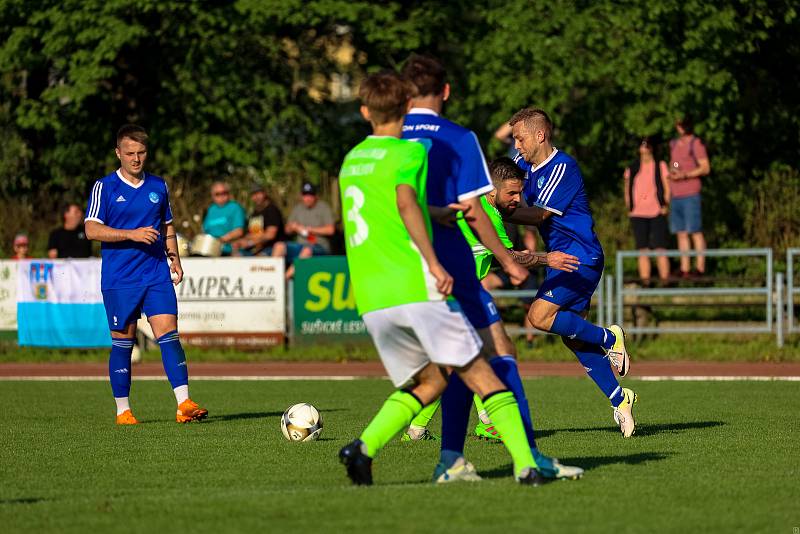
(647, 197)
(689, 163)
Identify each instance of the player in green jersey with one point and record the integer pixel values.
(401, 288)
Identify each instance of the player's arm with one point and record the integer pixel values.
(530, 216)
(97, 231)
(559, 261)
(173, 254)
(414, 221)
(449, 215)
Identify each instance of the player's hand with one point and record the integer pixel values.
(444, 282)
(176, 271)
(145, 234)
(562, 262)
(516, 272)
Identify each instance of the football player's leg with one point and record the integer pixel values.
(122, 309)
(161, 309)
(503, 411)
(418, 429)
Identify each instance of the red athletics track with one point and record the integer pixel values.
(276, 370)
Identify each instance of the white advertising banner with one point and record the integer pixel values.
(8, 295)
(232, 301)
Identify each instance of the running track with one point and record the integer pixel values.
(321, 370)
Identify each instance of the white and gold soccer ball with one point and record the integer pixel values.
(301, 422)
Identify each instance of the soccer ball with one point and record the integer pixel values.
(301, 422)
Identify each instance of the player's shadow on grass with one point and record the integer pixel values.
(644, 429)
(587, 462)
(256, 415)
(23, 500)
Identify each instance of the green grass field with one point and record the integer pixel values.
(707, 457)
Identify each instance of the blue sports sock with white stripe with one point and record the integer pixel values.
(119, 367)
(573, 326)
(174, 359)
(599, 369)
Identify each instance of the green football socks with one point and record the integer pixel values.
(393, 417)
(481, 409)
(423, 418)
(504, 413)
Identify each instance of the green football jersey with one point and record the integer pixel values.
(483, 256)
(386, 268)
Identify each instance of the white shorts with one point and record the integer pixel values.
(410, 336)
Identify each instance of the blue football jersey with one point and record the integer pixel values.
(556, 185)
(117, 203)
(457, 171)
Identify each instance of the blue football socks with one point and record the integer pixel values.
(119, 366)
(174, 359)
(599, 369)
(573, 326)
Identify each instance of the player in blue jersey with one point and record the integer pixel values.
(457, 177)
(558, 206)
(130, 214)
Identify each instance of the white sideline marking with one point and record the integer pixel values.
(272, 378)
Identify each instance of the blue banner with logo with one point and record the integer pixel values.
(59, 304)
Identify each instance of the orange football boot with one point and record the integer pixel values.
(189, 411)
(126, 418)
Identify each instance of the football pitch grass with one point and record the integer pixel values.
(706, 457)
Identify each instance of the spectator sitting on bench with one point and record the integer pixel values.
(312, 224)
(224, 218)
(264, 226)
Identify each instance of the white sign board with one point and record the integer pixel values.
(8, 295)
(227, 301)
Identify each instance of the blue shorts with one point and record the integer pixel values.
(476, 303)
(125, 306)
(686, 215)
(571, 291)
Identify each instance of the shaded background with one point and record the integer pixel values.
(263, 90)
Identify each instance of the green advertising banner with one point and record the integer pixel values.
(324, 305)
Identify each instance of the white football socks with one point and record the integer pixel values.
(181, 393)
(122, 404)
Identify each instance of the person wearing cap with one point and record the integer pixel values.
(264, 226)
(311, 223)
(20, 247)
(224, 218)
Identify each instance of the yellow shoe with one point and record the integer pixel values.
(617, 354)
(623, 414)
(126, 418)
(189, 411)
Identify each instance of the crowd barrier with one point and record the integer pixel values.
(245, 301)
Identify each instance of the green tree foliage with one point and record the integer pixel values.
(245, 89)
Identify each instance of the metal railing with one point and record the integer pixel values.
(791, 290)
(601, 302)
(765, 291)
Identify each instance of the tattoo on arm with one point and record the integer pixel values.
(529, 259)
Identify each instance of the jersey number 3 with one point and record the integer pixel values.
(361, 232)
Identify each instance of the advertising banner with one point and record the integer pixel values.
(59, 304)
(324, 305)
(8, 295)
(232, 301)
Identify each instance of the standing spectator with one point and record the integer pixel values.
(264, 226)
(647, 196)
(689, 163)
(69, 241)
(224, 218)
(311, 222)
(20, 247)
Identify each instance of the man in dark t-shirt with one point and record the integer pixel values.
(69, 241)
(264, 226)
